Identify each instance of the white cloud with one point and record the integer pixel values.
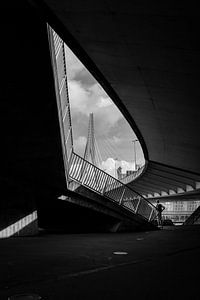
(78, 97)
(74, 66)
(86, 100)
(103, 102)
(98, 90)
(109, 166)
(107, 117)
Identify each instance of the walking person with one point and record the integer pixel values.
(160, 209)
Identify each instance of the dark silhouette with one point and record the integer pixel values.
(160, 209)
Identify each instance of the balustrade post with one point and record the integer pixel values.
(151, 214)
(138, 204)
(120, 201)
(82, 171)
(104, 188)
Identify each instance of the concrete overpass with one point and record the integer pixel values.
(33, 175)
(145, 55)
(153, 80)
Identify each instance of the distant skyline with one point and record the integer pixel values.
(113, 133)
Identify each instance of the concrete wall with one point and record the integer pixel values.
(31, 159)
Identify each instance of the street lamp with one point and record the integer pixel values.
(134, 141)
(116, 159)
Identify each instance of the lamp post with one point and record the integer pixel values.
(134, 142)
(116, 159)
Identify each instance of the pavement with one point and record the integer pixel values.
(162, 264)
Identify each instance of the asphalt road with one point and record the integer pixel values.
(161, 264)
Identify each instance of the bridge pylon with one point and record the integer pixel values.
(91, 153)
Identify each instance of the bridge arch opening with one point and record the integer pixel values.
(98, 124)
(83, 173)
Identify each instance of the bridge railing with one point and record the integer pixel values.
(86, 174)
(193, 217)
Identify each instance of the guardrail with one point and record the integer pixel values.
(57, 42)
(193, 217)
(86, 174)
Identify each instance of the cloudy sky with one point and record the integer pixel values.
(113, 134)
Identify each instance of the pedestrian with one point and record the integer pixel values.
(160, 209)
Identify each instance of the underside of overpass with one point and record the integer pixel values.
(33, 176)
(146, 57)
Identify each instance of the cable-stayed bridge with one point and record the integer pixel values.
(92, 153)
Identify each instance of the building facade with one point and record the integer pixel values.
(179, 211)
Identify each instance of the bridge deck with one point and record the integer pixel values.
(159, 265)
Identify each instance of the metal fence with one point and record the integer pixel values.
(86, 174)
